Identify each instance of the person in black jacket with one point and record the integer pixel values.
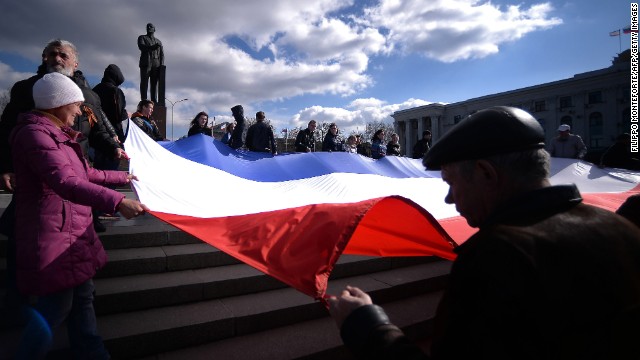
(619, 154)
(112, 98)
(393, 146)
(236, 141)
(199, 125)
(260, 136)
(545, 276)
(305, 140)
(422, 146)
(363, 149)
(332, 141)
(93, 123)
(142, 118)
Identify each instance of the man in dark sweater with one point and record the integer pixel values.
(545, 276)
(260, 136)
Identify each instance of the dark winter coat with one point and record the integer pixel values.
(21, 100)
(619, 156)
(197, 129)
(393, 149)
(332, 142)
(420, 149)
(91, 124)
(236, 140)
(260, 138)
(147, 126)
(544, 278)
(112, 98)
(305, 141)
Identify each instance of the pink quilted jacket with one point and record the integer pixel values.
(57, 247)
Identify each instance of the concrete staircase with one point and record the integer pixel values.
(167, 295)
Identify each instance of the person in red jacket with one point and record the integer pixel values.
(58, 250)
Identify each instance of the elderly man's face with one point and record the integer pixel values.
(466, 191)
(60, 59)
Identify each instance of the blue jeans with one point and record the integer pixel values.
(75, 305)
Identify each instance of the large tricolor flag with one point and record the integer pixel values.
(292, 215)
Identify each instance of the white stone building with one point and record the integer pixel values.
(596, 104)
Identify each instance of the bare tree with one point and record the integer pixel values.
(372, 127)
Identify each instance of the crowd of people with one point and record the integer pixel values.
(545, 276)
(259, 136)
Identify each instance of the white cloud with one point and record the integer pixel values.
(293, 48)
(361, 111)
(452, 30)
(9, 76)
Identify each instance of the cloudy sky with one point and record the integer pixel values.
(348, 61)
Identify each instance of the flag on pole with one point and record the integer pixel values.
(628, 30)
(292, 216)
(615, 33)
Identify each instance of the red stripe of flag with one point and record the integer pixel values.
(300, 246)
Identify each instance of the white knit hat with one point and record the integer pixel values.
(54, 90)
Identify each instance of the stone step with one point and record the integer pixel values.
(157, 330)
(135, 292)
(313, 339)
(158, 259)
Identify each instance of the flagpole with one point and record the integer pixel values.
(620, 41)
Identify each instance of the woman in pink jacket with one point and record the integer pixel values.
(58, 251)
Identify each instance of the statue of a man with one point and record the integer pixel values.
(151, 62)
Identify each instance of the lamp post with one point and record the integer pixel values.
(172, 105)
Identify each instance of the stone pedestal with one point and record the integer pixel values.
(160, 116)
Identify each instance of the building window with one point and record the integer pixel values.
(565, 102)
(457, 119)
(539, 106)
(596, 129)
(595, 97)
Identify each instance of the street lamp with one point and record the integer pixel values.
(172, 105)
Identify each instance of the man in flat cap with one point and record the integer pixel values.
(545, 276)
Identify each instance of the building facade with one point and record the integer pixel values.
(596, 104)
